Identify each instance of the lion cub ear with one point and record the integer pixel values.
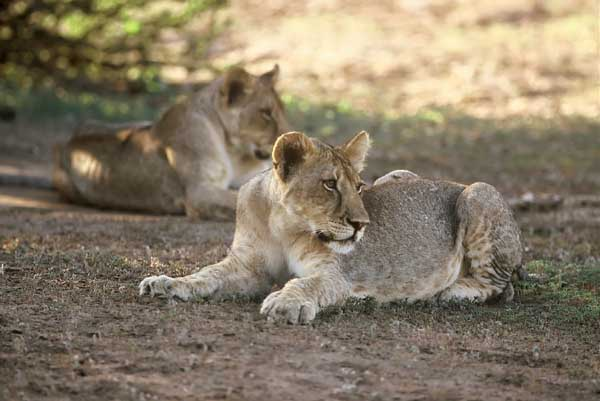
(270, 78)
(237, 84)
(289, 151)
(356, 150)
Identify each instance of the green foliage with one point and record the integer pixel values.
(49, 103)
(116, 45)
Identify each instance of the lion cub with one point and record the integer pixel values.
(301, 224)
(187, 161)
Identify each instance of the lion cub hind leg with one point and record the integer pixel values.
(492, 246)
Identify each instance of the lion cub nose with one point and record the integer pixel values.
(357, 224)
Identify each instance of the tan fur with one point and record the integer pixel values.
(424, 240)
(188, 161)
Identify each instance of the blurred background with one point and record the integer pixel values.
(500, 91)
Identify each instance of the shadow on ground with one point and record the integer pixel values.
(517, 154)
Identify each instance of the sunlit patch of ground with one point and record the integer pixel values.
(487, 58)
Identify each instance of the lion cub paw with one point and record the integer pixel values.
(281, 306)
(165, 287)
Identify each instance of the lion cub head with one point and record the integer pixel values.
(251, 111)
(320, 184)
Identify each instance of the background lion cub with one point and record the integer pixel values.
(216, 139)
(305, 219)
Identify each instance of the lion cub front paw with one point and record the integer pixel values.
(282, 306)
(165, 287)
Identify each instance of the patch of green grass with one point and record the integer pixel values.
(571, 291)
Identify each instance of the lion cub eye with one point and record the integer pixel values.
(266, 114)
(359, 187)
(330, 185)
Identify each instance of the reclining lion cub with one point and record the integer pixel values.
(187, 162)
(305, 218)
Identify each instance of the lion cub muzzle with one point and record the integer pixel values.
(342, 237)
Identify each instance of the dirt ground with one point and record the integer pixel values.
(502, 92)
(72, 326)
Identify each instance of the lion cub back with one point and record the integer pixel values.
(409, 242)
